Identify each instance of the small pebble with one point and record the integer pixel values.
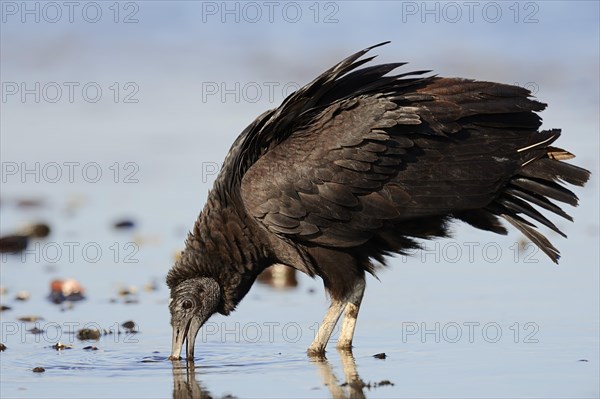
(90, 348)
(39, 369)
(381, 355)
(88, 334)
(71, 288)
(3, 308)
(30, 203)
(37, 230)
(59, 346)
(65, 290)
(2, 347)
(35, 330)
(361, 384)
(30, 319)
(22, 296)
(129, 325)
(151, 286)
(124, 291)
(13, 244)
(583, 360)
(128, 294)
(124, 224)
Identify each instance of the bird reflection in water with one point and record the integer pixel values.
(185, 385)
(352, 387)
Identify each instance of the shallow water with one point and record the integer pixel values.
(474, 316)
(447, 330)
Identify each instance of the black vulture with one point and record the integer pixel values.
(360, 164)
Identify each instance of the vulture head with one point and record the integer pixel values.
(193, 301)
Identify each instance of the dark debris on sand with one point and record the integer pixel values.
(130, 327)
(86, 334)
(361, 384)
(124, 224)
(59, 346)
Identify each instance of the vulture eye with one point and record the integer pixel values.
(186, 304)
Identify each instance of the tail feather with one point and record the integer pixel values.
(535, 236)
(535, 183)
(546, 188)
(559, 154)
(538, 200)
(552, 169)
(482, 219)
(516, 205)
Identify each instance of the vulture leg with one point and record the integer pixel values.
(351, 305)
(350, 315)
(317, 348)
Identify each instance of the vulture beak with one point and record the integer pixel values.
(185, 331)
(192, 303)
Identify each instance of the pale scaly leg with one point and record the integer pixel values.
(350, 315)
(317, 348)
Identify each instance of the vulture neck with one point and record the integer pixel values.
(226, 245)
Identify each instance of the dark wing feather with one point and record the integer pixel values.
(369, 162)
(340, 82)
(357, 157)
